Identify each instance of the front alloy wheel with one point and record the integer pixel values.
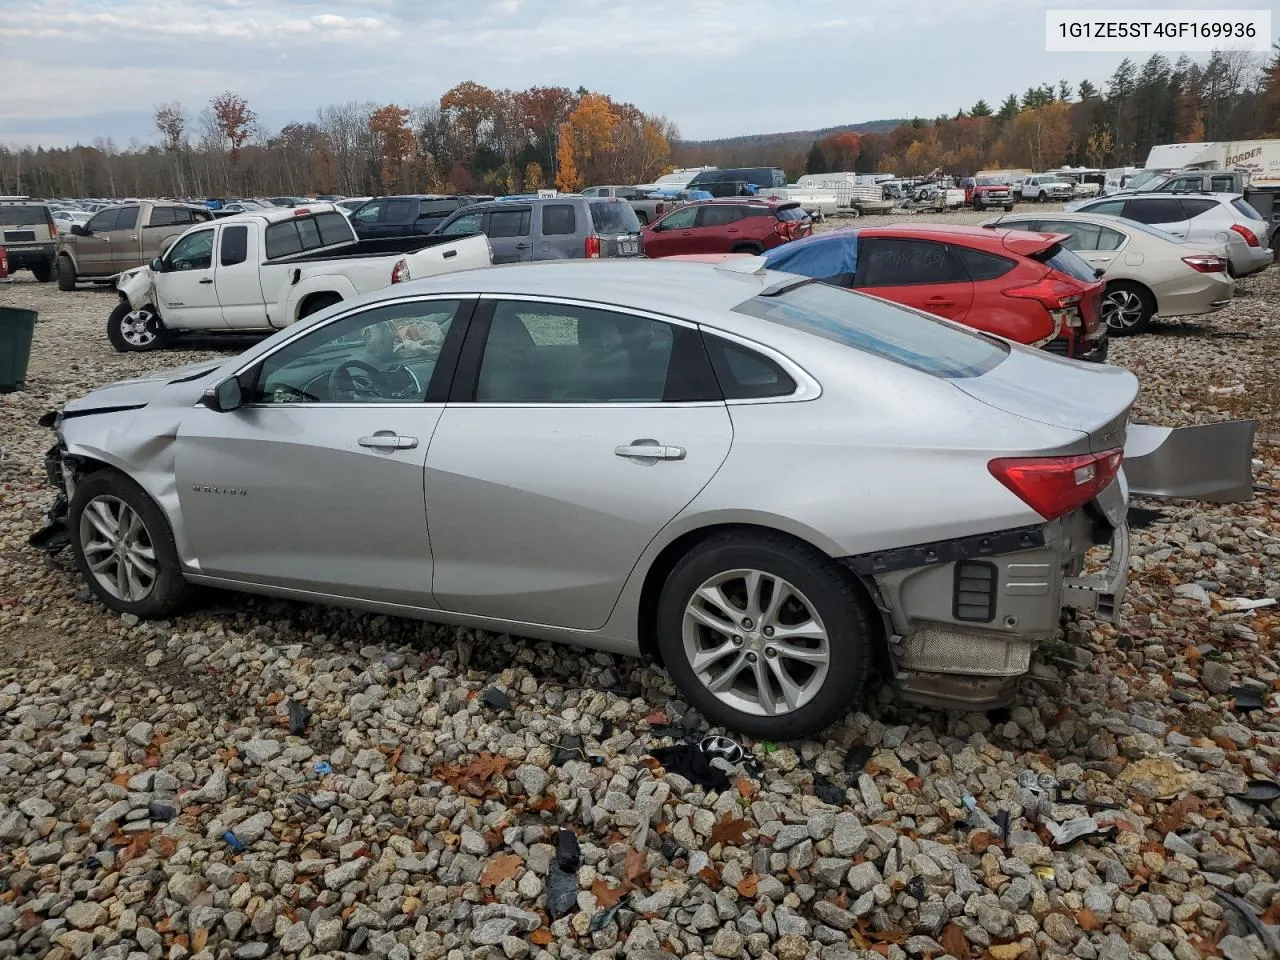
(117, 549)
(130, 330)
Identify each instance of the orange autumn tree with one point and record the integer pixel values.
(567, 178)
(589, 133)
(840, 150)
(394, 143)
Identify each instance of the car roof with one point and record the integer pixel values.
(1221, 197)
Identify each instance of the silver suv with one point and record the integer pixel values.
(27, 231)
(568, 227)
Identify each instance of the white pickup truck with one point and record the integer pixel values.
(263, 270)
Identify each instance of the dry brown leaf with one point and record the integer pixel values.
(730, 830)
(501, 867)
(395, 757)
(541, 936)
(748, 885)
(746, 788)
(1271, 915)
(607, 897)
(165, 847)
(274, 697)
(634, 874)
(199, 937)
(954, 941)
(979, 840)
(476, 778)
(657, 719)
(1006, 951)
(121, 779)
(914, 784)
(1088, 920)
(710, 876)
(548, 804)
(888, 936)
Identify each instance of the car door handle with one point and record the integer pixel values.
(134, 237)
(207, 280)
(385, 440)
(940, 302)
(649, 450)
(523, 246)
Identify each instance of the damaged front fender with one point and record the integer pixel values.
(137, 286)
(1212, 461)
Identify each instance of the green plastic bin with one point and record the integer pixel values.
(17, 327)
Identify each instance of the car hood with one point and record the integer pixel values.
(1091, 398)
(139, 391)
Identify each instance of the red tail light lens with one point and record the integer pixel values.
(1204, 263)
(400, 272)
(301, 211)
(659, 209)
(53, 228)
(4, 262)
(1053, 486)
(593, 248)
(1250, 237)
(1060, 299)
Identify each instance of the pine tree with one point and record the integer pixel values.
(980, 109)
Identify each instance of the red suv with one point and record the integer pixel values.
(737, 225)
(1026, 287)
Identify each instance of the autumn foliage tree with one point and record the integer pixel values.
(840, 150)
(395, 141)
(171, 123)
(236, 122)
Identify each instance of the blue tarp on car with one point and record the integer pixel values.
(820, 256)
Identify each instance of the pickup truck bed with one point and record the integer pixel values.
(381, 247)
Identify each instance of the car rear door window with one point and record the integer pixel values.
(1154, 210)
(718, 215)
(464, 224)
(889, 262)
(1110, 208)
(981, 265)
(162, 217)
(559, 219)
(369, 212)
(1193, 207)
(127, 219)
(508, 223)
(235, 245)
(398, 211)
(562, 353)
(744, 374)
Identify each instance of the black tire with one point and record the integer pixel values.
(66, 274)
(170, 591)
(977, 207)
(1008, 208)
(750, 248)
(43, 272)
(1127, 308)
(122, 341)
(317, 302)
(642, 217)
(831, 592)
(1043, 197)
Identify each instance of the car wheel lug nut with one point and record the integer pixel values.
(737, 641)
(768, 631)
(746, 624)
(770, 653)
(751, 658)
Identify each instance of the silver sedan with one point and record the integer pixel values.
(764, 482)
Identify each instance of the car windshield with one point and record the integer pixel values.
(992, 182)
(21, 216)
(613, 217)
(886, 330)
(1139, 179)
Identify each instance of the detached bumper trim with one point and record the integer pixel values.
(1101, 593)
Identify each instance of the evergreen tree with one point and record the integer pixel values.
(817, 161)
(980, 109)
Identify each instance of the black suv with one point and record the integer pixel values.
(406, 215)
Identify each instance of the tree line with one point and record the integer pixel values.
(476, 139)
(473, 139)
(1232, 96)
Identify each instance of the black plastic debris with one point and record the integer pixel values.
(1247, 698)
(915, 887)
(570, 747)
(1251, 920)
(562, 891)
(299, 717)
(161, 811)
(691, 763)
(495, 699)
(856, 759)
(605, 917)
(1259, 791)
(671, 850)
(568, 853)
(826, 791)
(1140, 517)
(606, 729)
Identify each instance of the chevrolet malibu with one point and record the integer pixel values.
(763, 482)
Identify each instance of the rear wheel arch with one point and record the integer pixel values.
(665, 562)
(752, 248)
(317, 301)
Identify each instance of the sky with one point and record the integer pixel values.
(77, 70)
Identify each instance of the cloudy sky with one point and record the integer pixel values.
(80, 69)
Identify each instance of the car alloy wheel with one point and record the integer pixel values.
(1122, 310)
(117, 548)
(756, 643)
(139, 328)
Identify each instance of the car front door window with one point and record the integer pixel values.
(193, 252)
(103, 222)
(467, 223)
(681, 219)
(384, 355)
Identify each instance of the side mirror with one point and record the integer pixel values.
(224, 397)
(79, 231)
(157, 265)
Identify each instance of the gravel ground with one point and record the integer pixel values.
(162, 794)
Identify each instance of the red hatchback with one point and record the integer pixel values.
(1023, 286)
(734, 225)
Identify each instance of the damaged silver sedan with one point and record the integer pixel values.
(767, 484)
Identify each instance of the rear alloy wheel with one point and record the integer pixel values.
(124, 547)
(764, 635)
(132, 330)
(1127, 308)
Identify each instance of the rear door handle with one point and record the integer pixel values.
(649, 450)
(207, 280)
(940, 302)
(386, 440)
(523, 246)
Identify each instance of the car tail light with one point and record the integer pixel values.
(1250, 237)
(301, 211)
(400, 272)
(1054, 486)
(53, 228)
(1062, 300)
(659, 209)
(4, 263)
(1205, 263)
(592, 250)
(783, 229)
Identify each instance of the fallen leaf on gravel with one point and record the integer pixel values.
(1088, 920)
(634, 874)
(199, 937)
(746, 788)
(1171, 820)
(541, 936)
(710, 876)
(954, 941)
(475, 779)
(503, 866)
(607, 897)
(121, 779)
(729, 830)
(165, 847)
(657, 719)
(748, 885)
(547, 804)
(1006, 951)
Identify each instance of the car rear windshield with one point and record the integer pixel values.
(886, 330)
(20, 216)
(613, 216)
(1247, 209)
(307, 233)
(1063, 260)
(791, 213)
(992, 182)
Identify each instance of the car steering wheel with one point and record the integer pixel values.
(353, 380)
